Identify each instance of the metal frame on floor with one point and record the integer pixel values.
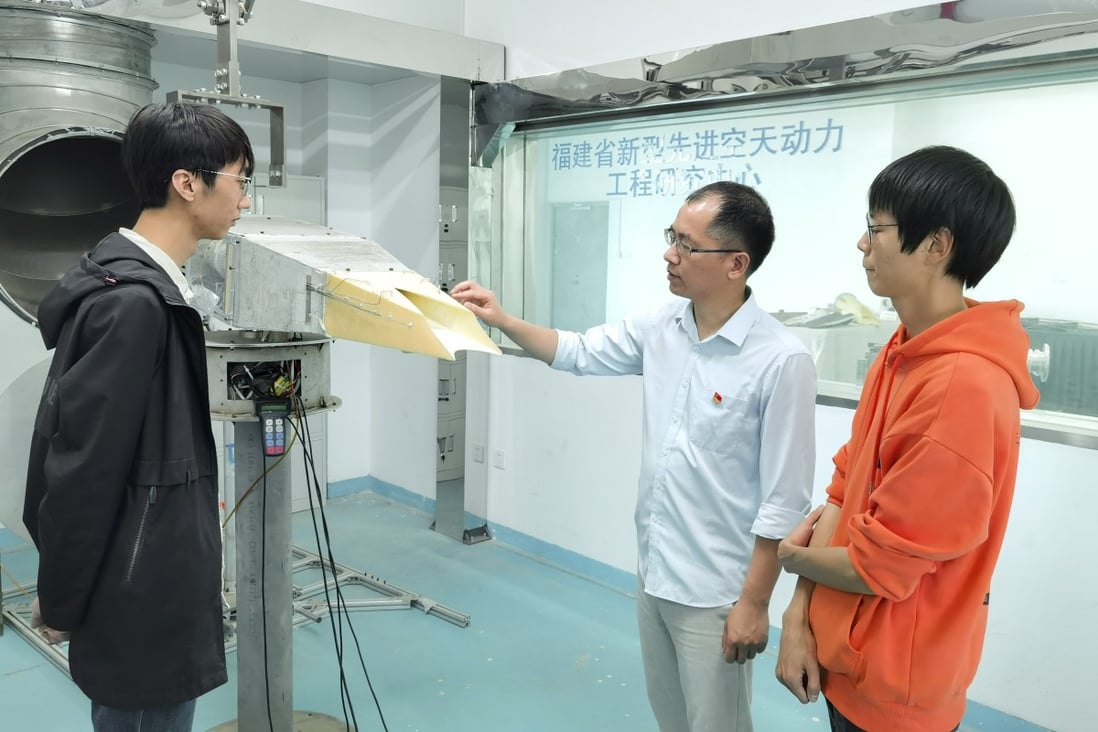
(396, 597)
(309, 604)
(17, 617)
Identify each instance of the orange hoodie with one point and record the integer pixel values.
(924, 486)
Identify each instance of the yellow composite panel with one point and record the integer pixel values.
(401, 310)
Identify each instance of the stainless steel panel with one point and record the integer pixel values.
(69, 83)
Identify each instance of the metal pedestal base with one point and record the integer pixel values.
(302, 722)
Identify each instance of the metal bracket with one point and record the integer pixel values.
(476, 534)
(366, 307)
(278, 123)
(228, 16)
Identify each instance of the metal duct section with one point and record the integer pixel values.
(273, 274)
(866, 49)
(69, 83)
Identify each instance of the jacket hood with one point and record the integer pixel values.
(991, 330)
(115, 260)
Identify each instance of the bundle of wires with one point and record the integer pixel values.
(262, 379)
(338, 612)
(265, 379)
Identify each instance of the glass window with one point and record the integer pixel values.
(583, 208)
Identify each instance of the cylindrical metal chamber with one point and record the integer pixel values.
(69, 83)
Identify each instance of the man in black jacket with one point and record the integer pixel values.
(122, 480)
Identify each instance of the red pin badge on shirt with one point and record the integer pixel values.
(717, 398)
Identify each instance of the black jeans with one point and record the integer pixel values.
(179, 718)
(839, 723)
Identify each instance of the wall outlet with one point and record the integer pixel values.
(499, 459)
(478, 453)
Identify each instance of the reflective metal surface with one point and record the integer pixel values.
(275, 274)
(69, 83)
(898, 45)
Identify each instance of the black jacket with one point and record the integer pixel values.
(122, 484)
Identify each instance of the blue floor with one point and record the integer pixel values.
(546, 650)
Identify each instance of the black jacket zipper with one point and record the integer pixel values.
(139, 540)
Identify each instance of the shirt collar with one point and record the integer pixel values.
(162, 260)
(737, 327)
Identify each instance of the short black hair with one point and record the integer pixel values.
(945, 187)
(743, 219)
(163, 138)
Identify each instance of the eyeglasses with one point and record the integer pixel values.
(685, 250)
(245, 182)
(871, 228)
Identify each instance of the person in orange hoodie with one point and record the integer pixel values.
(891, 604)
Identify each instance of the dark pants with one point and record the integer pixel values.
(839, 723)
(179, 718)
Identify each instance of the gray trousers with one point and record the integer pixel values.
(690, 686)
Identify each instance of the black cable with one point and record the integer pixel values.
(341, 603)
(339, 591)
(337, 640)
(337, 616)
(263, 582)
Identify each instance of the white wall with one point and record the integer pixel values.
(543, 38)
(404, 198)
(1044, 588)
(441, 15)
(571, 454)
(378, 148)
(336, 141)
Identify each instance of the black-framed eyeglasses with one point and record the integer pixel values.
(245, 181)
(871, 228)
(684, 249)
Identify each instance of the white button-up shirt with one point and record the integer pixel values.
(728, 449)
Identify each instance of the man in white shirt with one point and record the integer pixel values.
(727, 458)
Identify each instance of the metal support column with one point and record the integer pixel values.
(264, 569)
(453, 220)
